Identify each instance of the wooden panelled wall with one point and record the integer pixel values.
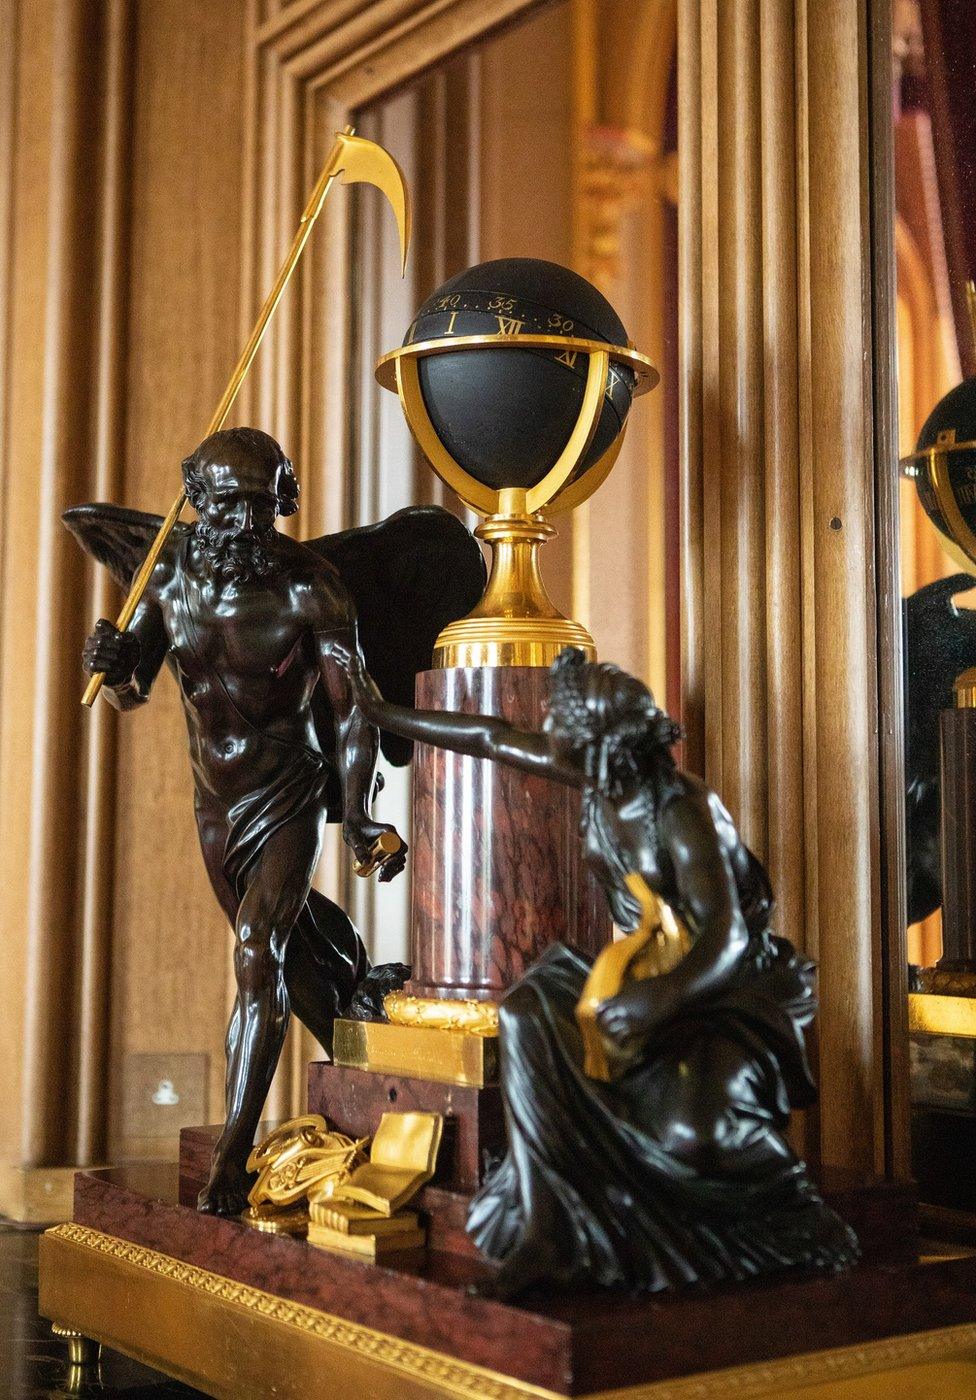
(781, 589)
(138, 138)
(123, 138)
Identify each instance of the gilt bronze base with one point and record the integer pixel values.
(245, 1315)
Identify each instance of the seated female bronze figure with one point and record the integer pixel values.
(678, 1171)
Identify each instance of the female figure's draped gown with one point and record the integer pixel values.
(678, 1172)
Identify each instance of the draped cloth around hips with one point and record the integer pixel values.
(599, 1178)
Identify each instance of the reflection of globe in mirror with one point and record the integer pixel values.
(951, 422)
(505, 415)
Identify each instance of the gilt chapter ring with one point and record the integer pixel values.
(646, 375)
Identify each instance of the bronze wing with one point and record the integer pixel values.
(116, 537)
(409, 576)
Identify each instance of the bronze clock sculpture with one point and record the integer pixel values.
(245, 617)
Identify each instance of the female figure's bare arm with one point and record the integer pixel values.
(710, 905)
(477, 736)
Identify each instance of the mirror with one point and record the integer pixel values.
(934, 121)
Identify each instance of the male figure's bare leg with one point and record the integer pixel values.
(276, 888)
(212, 828)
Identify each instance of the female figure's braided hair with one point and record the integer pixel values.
(610, 720)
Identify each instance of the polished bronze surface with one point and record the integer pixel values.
(245, 617)
(659, 1179)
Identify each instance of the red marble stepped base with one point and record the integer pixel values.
(354, 1100)
(883, 1215)
(570, 1344)
(474, 1126)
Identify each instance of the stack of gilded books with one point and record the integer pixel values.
(364, 1215)
(360, 1230)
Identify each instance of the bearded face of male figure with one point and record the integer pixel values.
(233, 555)
(238, 488)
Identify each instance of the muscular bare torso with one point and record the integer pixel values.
(245, 659)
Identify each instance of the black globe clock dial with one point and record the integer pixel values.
(506, 414)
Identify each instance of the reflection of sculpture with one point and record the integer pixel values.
(940, 643)
(679, 1171)
(940, 639)
(943, 467)
(244, 616)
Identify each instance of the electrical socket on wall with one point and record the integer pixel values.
(162, 1093)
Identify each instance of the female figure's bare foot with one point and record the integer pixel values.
(226, 1191)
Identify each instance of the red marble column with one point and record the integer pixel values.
(498, 872)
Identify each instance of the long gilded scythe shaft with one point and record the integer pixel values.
(352, 159)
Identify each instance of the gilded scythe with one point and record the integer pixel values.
(352, 160)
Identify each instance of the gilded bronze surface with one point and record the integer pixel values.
(298, 1160)
(167, 1313)
(449, 1056)
(386, 845)
(935, 1013)
(433, 1013)
(402, 1159)
(656, 947)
